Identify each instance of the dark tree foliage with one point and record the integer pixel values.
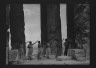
(82, 22)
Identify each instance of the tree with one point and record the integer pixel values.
(82, 22)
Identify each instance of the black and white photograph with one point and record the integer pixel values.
(48, 33)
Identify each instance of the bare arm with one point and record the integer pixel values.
(35, 42)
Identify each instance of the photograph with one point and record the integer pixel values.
(48, 33)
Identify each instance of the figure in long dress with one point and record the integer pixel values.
(48, 50)
(66, 44)
(22, 51)
(30, 51)
(40, 51)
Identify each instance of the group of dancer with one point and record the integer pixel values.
(40, 50)
(40, 54)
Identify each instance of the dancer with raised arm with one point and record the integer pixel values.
(30, 46)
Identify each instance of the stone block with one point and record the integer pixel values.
(13, 55)
(79, 51)
(81, 58)
(76, 51)
(80, 55)
(71, 52)
(61, 58)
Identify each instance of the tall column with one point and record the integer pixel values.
(17, 25)
(44, 25)
(7, 23)
(70, 24)
(54, 26)
(7, 33)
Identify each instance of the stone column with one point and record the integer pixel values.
(54, 26)
(7, 24)
(70, 24)
(17, 25)
(44, 25)
(7, 32)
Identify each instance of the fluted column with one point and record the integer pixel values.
(7, 31)
(54, 26)
(17, 25)
(70, 24)
(7, 24)
(44, 26)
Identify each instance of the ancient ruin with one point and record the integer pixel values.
(78, 26)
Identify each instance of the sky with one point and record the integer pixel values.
(32, 21)
(63, 20)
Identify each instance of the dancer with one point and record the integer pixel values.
(48, 50)
(66, 44)
(30, 46)
(21, 51)
(40, 48)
